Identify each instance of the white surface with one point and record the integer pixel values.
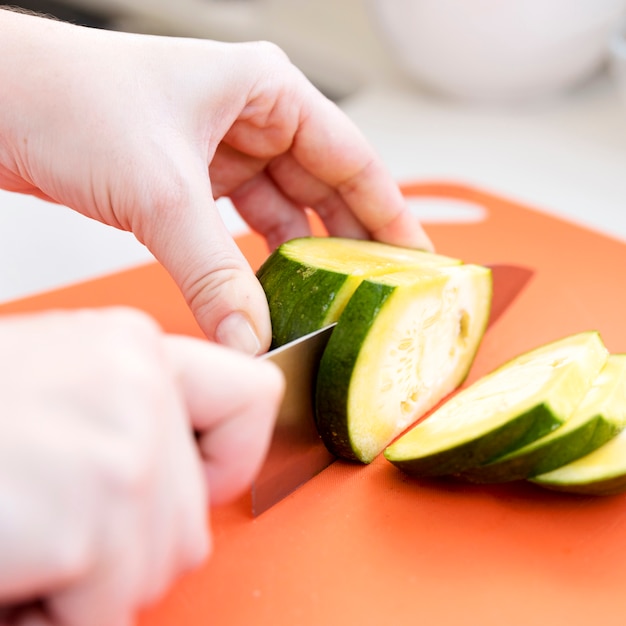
(44, 246)
(566, 156)
(500, 51)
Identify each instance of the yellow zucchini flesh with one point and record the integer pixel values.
(603, 470)
(597, 419)
(524, 399)
(308, 281)
(403, 342)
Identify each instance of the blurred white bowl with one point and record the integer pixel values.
(499, 50)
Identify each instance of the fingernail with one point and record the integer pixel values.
(235, 331)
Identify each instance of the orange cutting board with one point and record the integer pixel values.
(366, 545)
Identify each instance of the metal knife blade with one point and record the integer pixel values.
(297, 452)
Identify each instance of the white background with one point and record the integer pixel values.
(566, 156)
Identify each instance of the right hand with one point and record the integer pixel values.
(103, 490)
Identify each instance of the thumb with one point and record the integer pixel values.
(195, 247)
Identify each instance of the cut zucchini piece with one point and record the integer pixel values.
(603, 471)
(403, 342)
(598, 418)
(519, 402)
(309, 280)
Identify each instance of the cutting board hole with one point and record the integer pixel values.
(430, 209)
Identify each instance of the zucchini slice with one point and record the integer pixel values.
(602, 471)
(516, 404)
(309, 280)
(403, 342)
(598, 418)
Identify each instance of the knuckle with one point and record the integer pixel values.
(125, 471)
(116, 321)
(131, 340)
(202, 291)
(269, 51)
(132, 475)
(271, 65)
(209, 292)
(157, 205)
(71, 553)
(134, 397)
(133, 318)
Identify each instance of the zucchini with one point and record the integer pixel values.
(403, 342)
(602, 471)
(309, 280)
(524, 399)
(408, 326)
(598, 418)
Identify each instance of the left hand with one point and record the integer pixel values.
(143, 133)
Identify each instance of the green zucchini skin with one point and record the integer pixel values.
(311, 299)
(310, 283)
(526, 427)
(608, 487)
(612, 486)
(337, 364)
(280, 292)
(313, 282)
(601, 470)
(299, 297)
(599, 417)
(544, 387)
(306, 292)
(399, 347)
(577, 443)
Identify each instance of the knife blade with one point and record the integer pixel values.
(297, 453)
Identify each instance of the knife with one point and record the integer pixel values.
(296, 452)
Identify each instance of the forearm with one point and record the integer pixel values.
(26, 44)
(41, 64)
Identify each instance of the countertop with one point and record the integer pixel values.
(566, 156)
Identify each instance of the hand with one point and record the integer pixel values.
(142, 133)
(102, 495)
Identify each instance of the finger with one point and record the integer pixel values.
(173, 520)
(272, 201)
(269, 212)
(34, 616)
(232, 402)
(287, 114)
(259, 201)
(297, 183)
(332, 149)
(193, 244)
(145, 544)
(96, 605)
